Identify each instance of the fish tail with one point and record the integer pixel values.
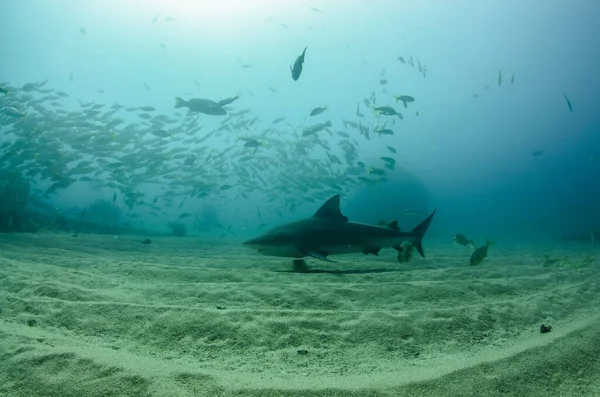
(488, 242)
(397, 98)
(419, 232)
(180, 103)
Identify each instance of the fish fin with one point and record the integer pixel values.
(397, 247)
(180, 103)
(405, 104)
(331, 210)
(373, 250)
(394, 226)
(419, 232)
(488, 242)
(317, 255)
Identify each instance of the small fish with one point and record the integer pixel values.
(114, 197)
(182, 202)
(537, 153)
(391, 149)
(385, 131)
(405, 251)
(316, 128)
(386, 111)
(82, 31)
(358, 113)
(185, 215)
(499, 78)
(568, 103)
(413, 211)
(405, 99)
(512, 79)
(147, 108)
(377, 171)
(13, 112)
(225, 187)
(462, 240)
(189, 161)
(278, 120)
(297, 69)
(480, 253)
(383, 82)
(3, 91)
(146, 241)
(401, 59)
(317, 111)
(253, 143)
(228, 101)
(388, 160)
(161, 133)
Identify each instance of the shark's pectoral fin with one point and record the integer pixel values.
(317, 255)
(372, 250)
(394, 226)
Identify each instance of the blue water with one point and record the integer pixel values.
(468, 152)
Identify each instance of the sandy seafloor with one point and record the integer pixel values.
(105, 316)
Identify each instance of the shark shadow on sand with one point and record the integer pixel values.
(301, 267)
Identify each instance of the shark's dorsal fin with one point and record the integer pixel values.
(394, 226)
(331, 210)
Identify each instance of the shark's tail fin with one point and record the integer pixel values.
(419, 232)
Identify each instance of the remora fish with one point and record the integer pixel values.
(329, 232)
(297, 69)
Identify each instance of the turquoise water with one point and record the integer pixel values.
(494, 146)
(123, 209)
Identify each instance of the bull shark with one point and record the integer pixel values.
(329, 232)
